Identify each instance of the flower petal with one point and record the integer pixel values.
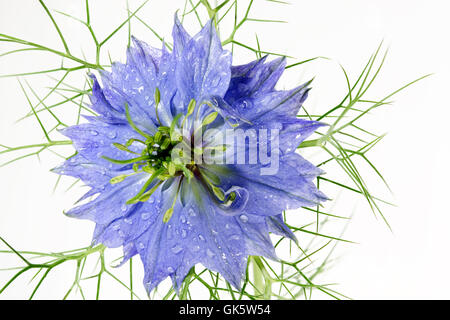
(204, 67)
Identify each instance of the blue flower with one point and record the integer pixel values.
(176, 213)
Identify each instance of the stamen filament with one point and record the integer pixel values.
(144, 188)
(121, 147)
(130, 121)
(143, 158)
(149, 193)
(169, 212)
(157, 100)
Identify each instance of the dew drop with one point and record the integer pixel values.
(215, 82)
(170, 269)
(141, 245)
(177, 249)
(192, 212)
(210, 253)
(112, 134)
(145, 215)
(123, 207)
(195, 248)
(128, 221)
(94, 133)
(183, 233)
(243, 104)
(182, 219)
(169, 233)
(243, 218)
(202, 238)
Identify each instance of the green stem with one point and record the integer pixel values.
(43, 145)
(212, 13)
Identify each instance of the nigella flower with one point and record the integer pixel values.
(176, 213)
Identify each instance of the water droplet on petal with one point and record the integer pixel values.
(123, 207)
(202, 238)
(145, 215)
(195, 248)
(141, 245)
(243, 218)
(210, 253)
(170, 269)
(183, 233)
(94, 133)
(112, 134)
(215, 82)
(182, 219)
(128, 221)
(243, 104)
(177, 249)
(192, 212)
(169, 232)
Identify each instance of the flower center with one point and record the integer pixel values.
(167, 154)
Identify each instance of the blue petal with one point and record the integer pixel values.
(254, 79)
(197, 233)
(290, 188)
(134, 84)
(95, 140)
(276, 225)
(110, 204)
(204, 68)
(180, 37)
(289, 131)
(126, 228)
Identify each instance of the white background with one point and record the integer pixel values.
(410, 262)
